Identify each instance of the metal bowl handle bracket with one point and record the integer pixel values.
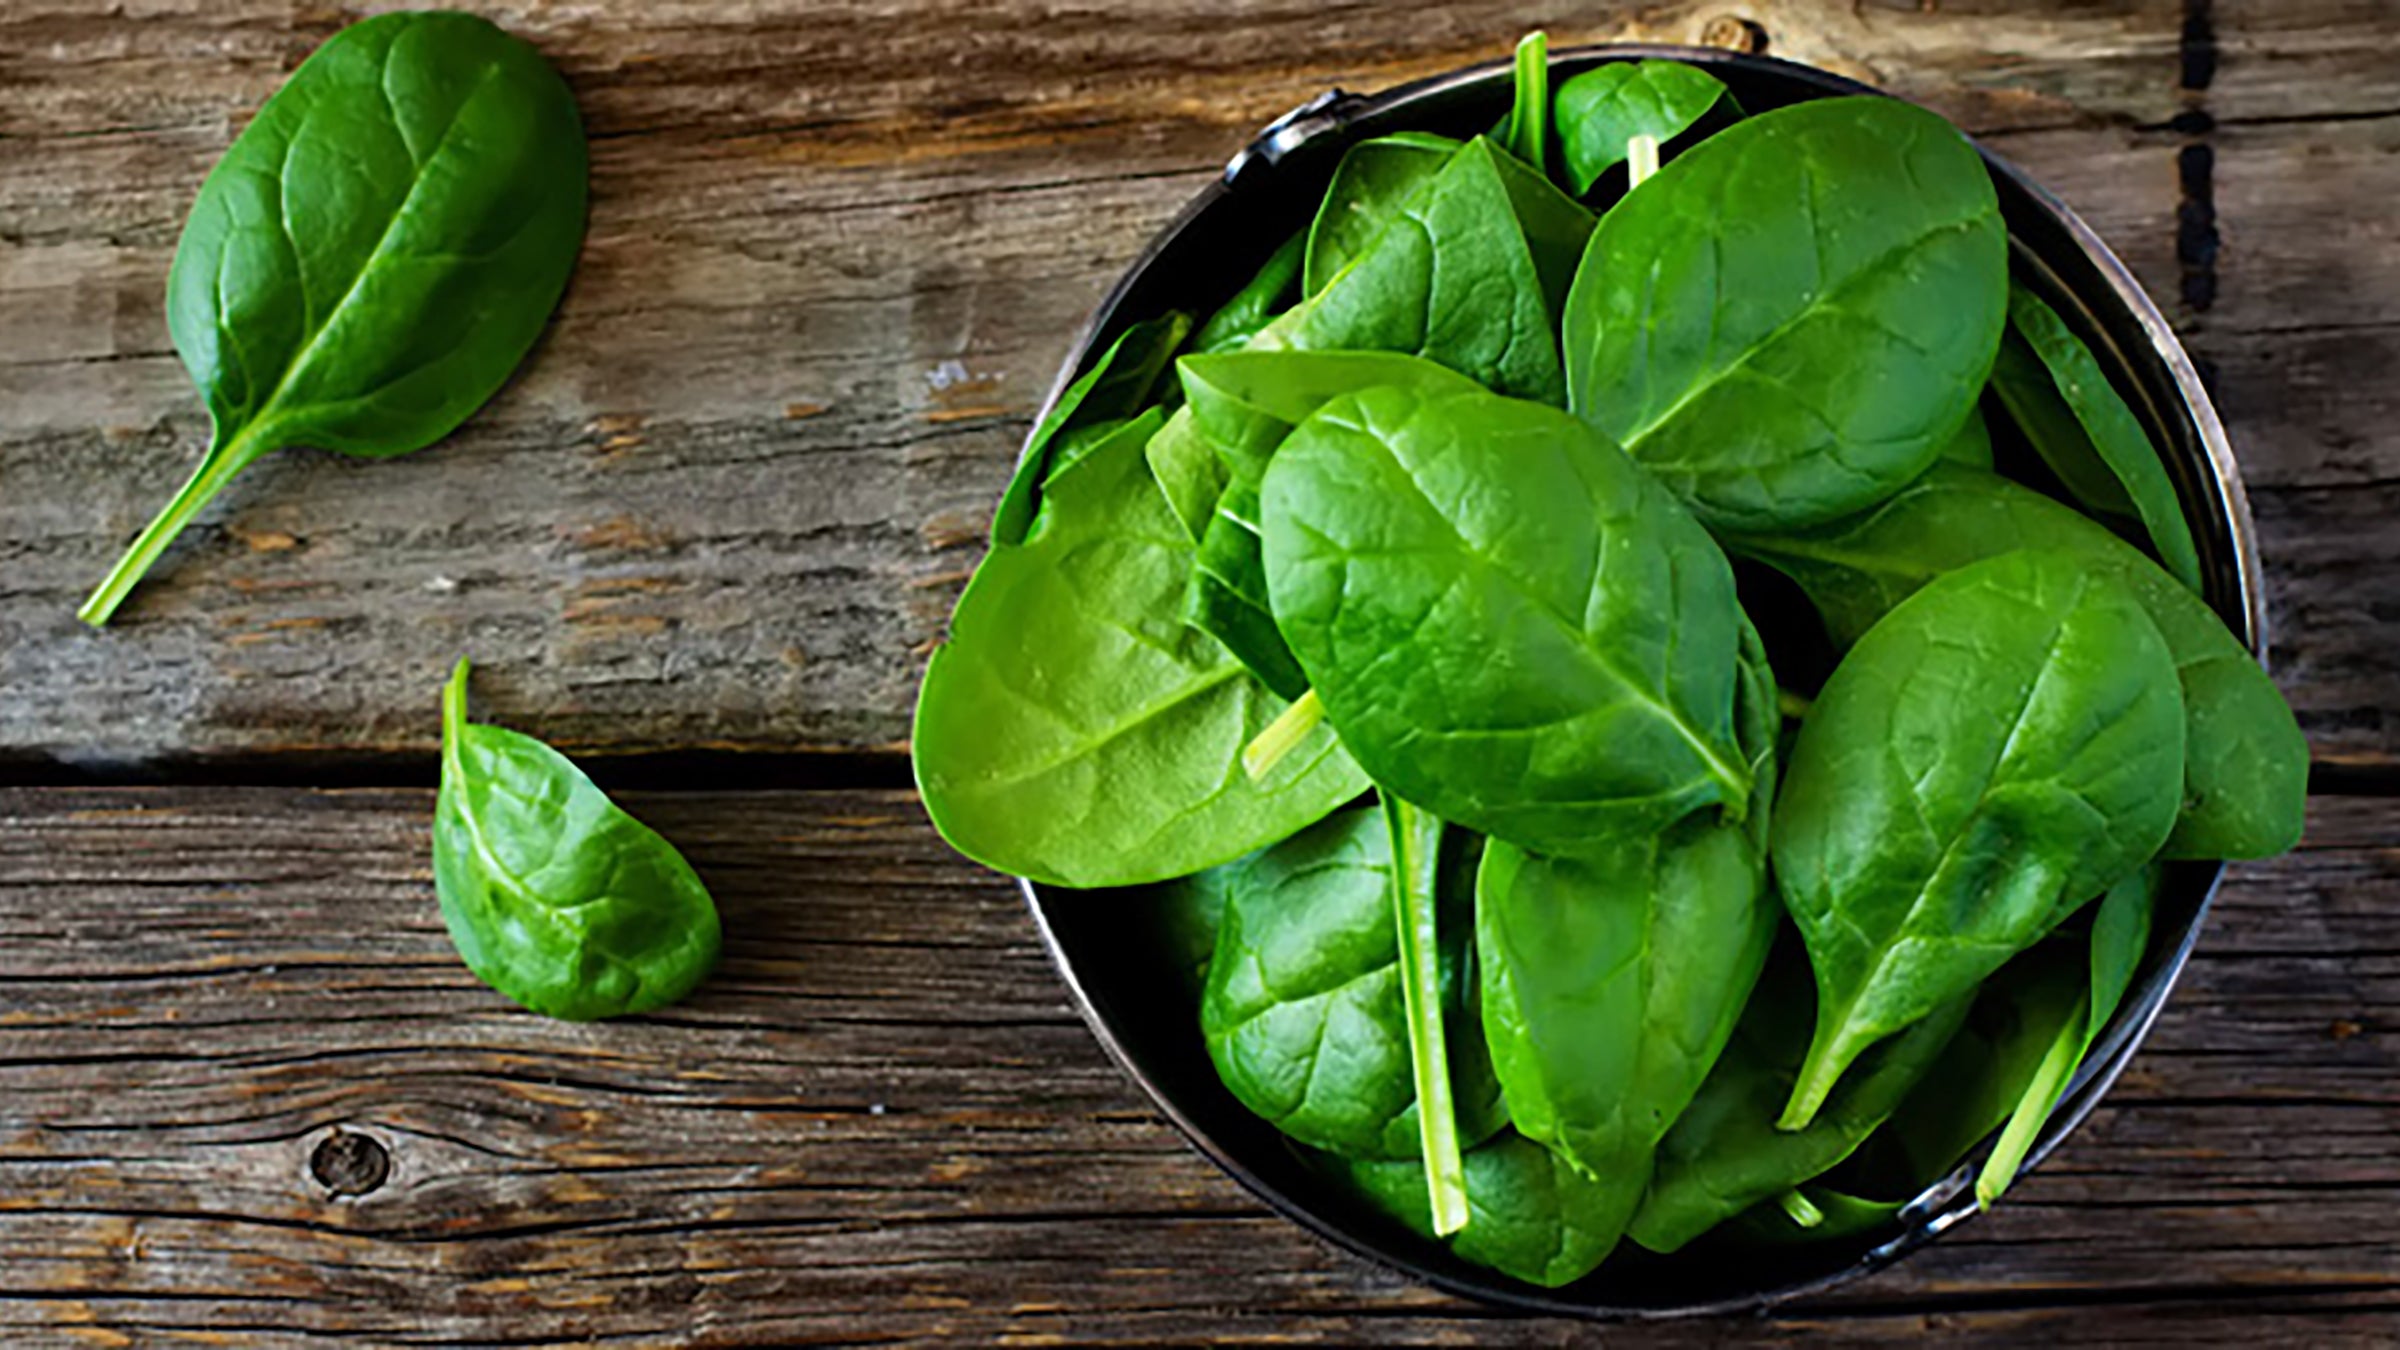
(1327, 113)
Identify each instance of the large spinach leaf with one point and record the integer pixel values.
(552, 895)
(1601, 110)
(1794, 316)
(2080, 426)
(1076, 731)
(1726, 1153)
(1304, 1014)
(2005, 743)
(1610, 983)
(1117, 387)
(374, 255)
(1531, 1216)
(2245, 762)
(1507, 621)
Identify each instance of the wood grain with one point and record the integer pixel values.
(881, 1118)
(836, 255)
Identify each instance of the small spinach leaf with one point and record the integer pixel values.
(1117, 386)
(2008, 740)
(1525, 133)
(1304, 1014)
(1074, 730)
(1409, 538)
(374, 255)
(1188, 471)
(2245, 762)
(1267, 294)
(552, 895)
(1790, 321)
(1601, 110)
(2083, 430)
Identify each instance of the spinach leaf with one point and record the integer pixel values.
(1188, 472)
(2005, 743)
(1244, 404)
(1791, 320)
(1190, 912)
(1304, 1014)
(1611, 983)
(1531, 1216)
(1726, 1153)
(374, 254)
(1526, 131)
(1810, 1213)
(1453, 276)
(1275, 286)
(1411, 540)
(1375, 179)
(2080, 426)
(1117, 386)
(1601, 110)
(2245, 762)
(552, 895)
(2120, 933)
(1074, 730)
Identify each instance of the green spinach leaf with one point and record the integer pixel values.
(1601, 110)
(1188, 471)
(1791, 320)
(1526, 131)
(1416, 870)
(1305, 1016)
(1267, 294)
(552, 895)
(374, 255)
(2245, 761)
(2080, 426)
(1726, 1153)
(1531, 1216)
(1076, 731)
(1610, 983)
(1117, 387)
(1507, 621)
(2007, 741)
(1972, 446)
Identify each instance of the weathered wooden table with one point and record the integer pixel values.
(246, 1091)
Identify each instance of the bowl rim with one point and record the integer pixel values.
(1949, 1201)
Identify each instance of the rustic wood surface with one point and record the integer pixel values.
(837, 251)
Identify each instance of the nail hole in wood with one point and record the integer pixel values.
(1735, 34)
(346, 1163)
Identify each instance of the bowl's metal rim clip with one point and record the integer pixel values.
(1329, 111)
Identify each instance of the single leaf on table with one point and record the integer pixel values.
(1610, 984)
(1119, 385)
(1304, 1015)
(374, 255)
(2120, 934)
(1530, 1215)
(2245, 761)
(1243, 404)
(1268, 293)
(1726, 1153)
(2081, 427)
(1601, 110)
(2005, 742)
(1507, 621)
(1792, 318)
(1076, 731)
(553, 895)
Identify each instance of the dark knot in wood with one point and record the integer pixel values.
(1736, 34)
(345, 1163)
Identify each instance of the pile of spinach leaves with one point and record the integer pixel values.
(1385, 626)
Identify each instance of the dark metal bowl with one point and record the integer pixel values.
(1144, 1010)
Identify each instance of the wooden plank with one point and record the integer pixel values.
(836, 254)
(881, 1119)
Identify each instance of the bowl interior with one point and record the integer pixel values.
(1116, 958)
